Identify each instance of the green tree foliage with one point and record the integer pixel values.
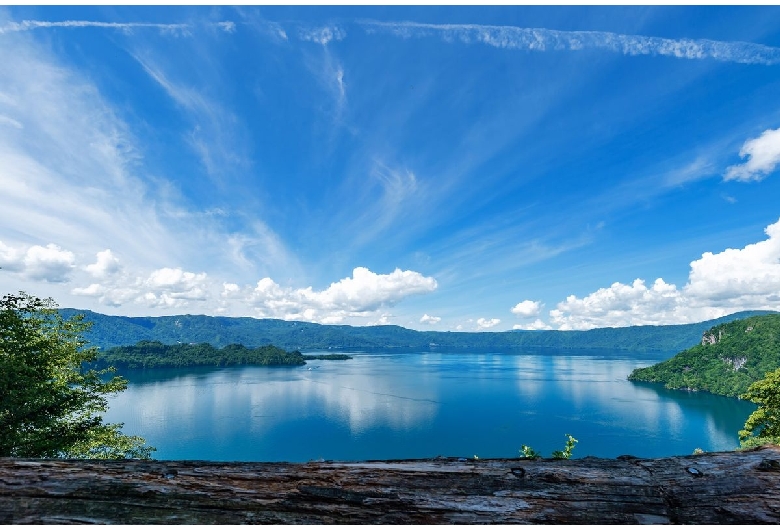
(565, 454)
(50, 404)
(154, 354)
(763, 425)
(741, 353)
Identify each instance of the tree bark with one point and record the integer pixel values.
(710, 488)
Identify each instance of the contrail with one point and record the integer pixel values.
(27, 25)
(542, 39)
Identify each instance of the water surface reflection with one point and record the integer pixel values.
(415, 405)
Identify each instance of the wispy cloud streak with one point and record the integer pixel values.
(172, 28)
(27, 25)
(542, 39)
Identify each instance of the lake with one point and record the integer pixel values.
(390, 405)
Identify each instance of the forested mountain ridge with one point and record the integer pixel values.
(729, 357)
(110, 331)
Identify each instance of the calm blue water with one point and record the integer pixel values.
(420, 405)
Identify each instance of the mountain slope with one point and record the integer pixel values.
(109, 331)
(729, 358)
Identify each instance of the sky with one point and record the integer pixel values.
(439, 168)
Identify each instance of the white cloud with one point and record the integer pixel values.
(230, 290)
(745, 278)
(383, 320)
(162, 288)
(535, 325)
(718, 284)
(48, 264)
(427, 319)
(10, 258)
(5, 120)
(619, 305)
(483, 323)
(176, 284)
(527, 309)
(763, 154)
(322, 35)
(215, 133)
(227, 26)
(361, 295)
(106, 265)
(542, 39)
(48, 194)
(27, 25)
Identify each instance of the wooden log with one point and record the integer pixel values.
(709, 488)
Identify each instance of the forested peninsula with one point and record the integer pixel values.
(154, 354)
(729, 357)
(110, 331)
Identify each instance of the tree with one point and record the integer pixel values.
(763, 425)
(50, 401)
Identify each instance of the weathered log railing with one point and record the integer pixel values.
(728, 487)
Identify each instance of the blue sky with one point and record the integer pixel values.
(442, 168)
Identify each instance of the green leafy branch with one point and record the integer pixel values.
(571, 442)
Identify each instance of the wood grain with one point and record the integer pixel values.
(710, 488)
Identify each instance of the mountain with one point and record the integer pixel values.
(109, 331)
(729, 357)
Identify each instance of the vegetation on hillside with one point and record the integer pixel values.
(729, 358)
(50, 402)
(763, 425)
(155, 354)
(111, 331)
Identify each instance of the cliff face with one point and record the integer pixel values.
(710, 337)
(730, 357)
(710, 488)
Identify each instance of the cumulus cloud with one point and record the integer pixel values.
(739, 277)
(527, 309)
(361, 295)
(167, 285)
(383, 320)
(484, 323)
(106, 265)
(161, 288)
(48, 264)
(763, 156)
(542, 39)
(718, 284)
(618, 305)
(535, 325)
(427, 319)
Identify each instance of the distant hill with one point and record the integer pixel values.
(728, 358)
(110, 331)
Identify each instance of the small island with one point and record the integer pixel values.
(155, 354)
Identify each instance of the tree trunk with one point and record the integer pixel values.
(728, 487)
